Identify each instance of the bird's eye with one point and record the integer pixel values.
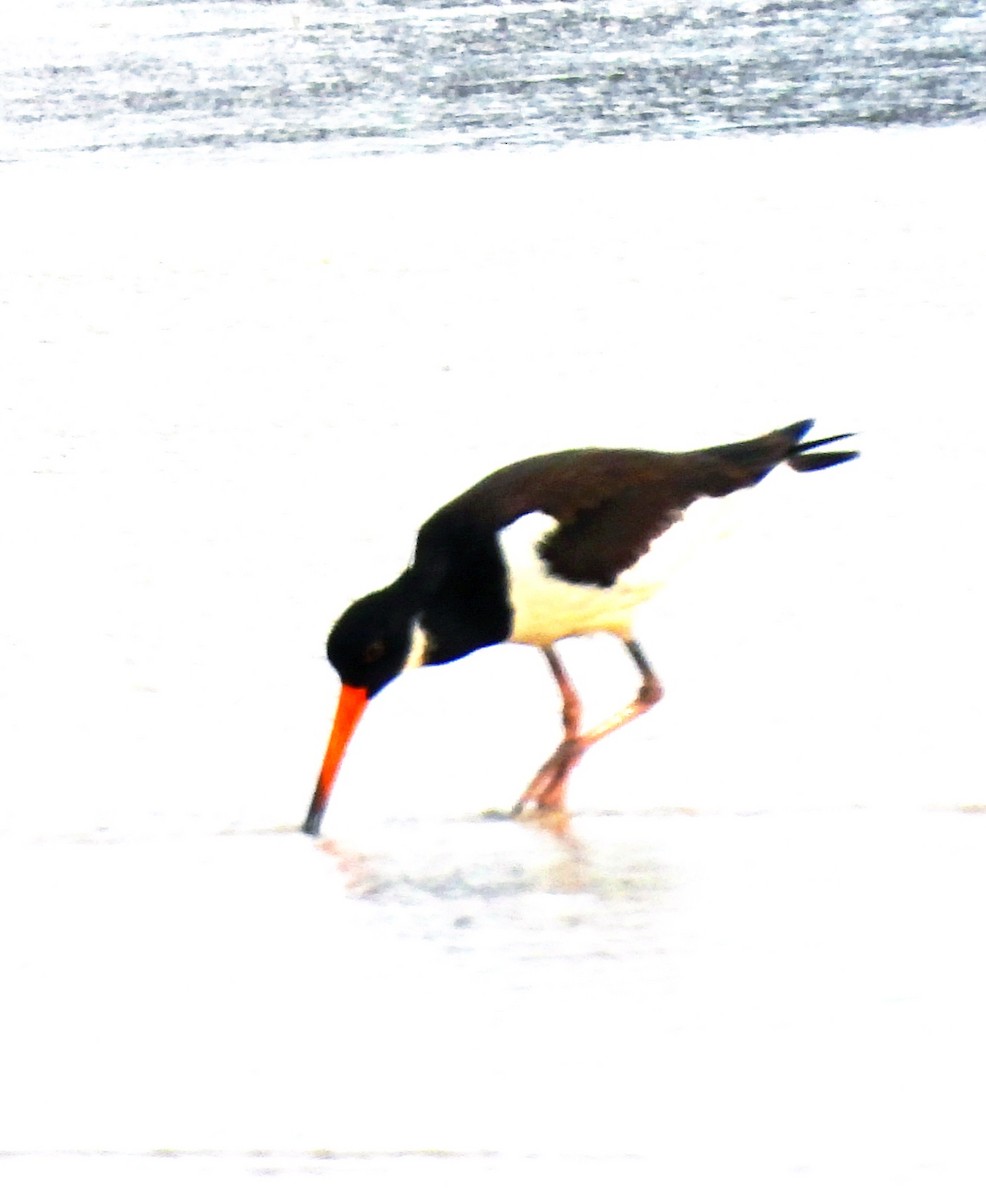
(374, 652)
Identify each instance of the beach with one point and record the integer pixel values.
(236, 384)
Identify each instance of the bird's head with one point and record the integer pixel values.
(370, 643)
(369, 646)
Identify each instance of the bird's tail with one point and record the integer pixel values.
(800, 457)
(726, 468)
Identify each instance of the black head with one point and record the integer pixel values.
(370, 643)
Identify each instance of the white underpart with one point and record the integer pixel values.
(547, 609)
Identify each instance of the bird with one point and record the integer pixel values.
(551, 547)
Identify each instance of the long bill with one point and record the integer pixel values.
(352, 702)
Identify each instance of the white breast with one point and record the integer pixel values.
(547, 609)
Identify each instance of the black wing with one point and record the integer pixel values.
(610, 505)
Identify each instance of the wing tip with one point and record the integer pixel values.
(803, 457)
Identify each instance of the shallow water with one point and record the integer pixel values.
(231, 1012)
(368, 75)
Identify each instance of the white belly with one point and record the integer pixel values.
(547, 609)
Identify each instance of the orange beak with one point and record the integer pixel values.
(352, 701)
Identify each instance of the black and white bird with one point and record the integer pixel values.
(548, 548)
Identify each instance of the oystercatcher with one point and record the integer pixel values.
(548, 548)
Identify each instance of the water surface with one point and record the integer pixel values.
(370, 75)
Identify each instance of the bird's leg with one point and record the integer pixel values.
(650, 692)
(546, 790)
(571, 705)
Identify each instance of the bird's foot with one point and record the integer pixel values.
(543, 801)
(546, 791)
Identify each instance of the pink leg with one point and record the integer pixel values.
(546, 791)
